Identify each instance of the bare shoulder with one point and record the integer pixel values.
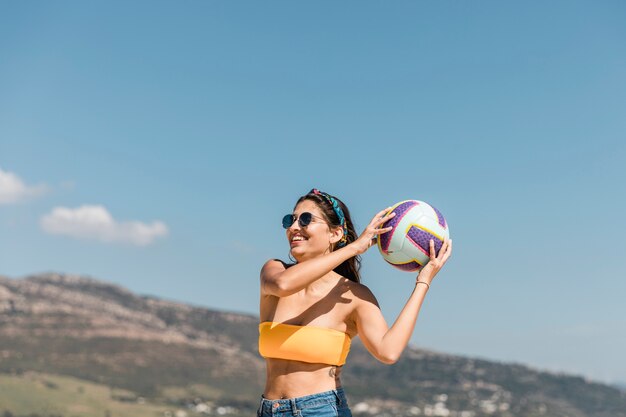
(268, 302)
(363, 304)
(361, 292)
(273, 265)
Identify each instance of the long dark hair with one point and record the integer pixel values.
(349, 268)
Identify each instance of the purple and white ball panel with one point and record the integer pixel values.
(440, 219)
(431, 225)
(401, 209)
(407, 267)
(409, 238)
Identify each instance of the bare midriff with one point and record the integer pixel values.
(289, 379)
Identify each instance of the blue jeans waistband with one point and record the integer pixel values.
(332, 396)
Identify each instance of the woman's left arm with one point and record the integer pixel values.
(387, 344)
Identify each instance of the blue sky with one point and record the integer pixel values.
(156, 145)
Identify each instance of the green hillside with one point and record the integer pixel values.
(47, 395)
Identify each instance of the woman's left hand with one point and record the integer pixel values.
(437, 261)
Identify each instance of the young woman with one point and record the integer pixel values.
(311, 309)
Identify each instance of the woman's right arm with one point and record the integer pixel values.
(280, 281)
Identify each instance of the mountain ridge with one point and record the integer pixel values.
(86, 328)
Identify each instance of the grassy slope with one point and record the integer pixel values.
(45, 394)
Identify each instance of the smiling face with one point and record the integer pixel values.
(312, 240)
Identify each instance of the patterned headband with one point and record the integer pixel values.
(338, 211)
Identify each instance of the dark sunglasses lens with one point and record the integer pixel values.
(305, 219)
(288, 220)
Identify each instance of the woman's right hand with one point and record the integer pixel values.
(371, 232)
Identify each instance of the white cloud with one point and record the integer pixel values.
(95, 222)
(13, 190)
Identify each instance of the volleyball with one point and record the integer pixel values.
(407, 245)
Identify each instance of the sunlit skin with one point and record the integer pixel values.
(311, 293)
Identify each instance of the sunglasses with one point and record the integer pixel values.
(303, 220)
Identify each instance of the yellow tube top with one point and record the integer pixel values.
(303, 343)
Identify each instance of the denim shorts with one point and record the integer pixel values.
(324, 404)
